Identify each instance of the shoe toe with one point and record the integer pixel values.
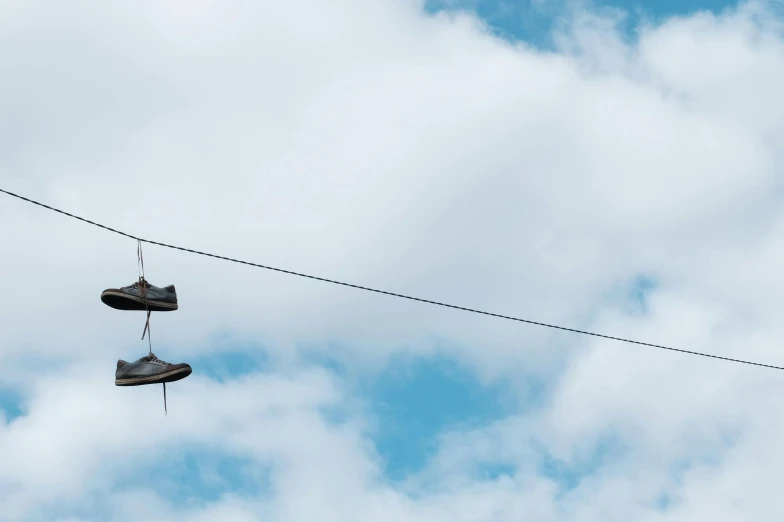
(184, 369)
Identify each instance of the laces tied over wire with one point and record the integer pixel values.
(142, 285)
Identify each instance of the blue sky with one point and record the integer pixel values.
(413, 400)
(532, 21)
(10, 404)
(346, 400)
(418, 400)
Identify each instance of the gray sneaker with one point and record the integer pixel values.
(132, 297)
(149, 370)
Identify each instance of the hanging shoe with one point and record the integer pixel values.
(149, 370)
(131, 297)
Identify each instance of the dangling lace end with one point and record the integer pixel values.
(165, 409)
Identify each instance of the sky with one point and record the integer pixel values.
(533, 21)
(608, 167)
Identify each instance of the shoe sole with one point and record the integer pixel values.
(120, 301)
(172, 376)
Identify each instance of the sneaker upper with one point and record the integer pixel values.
(145, 367)
(167, 294)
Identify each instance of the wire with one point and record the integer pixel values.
(393, 294)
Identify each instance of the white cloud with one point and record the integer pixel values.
(369, 142)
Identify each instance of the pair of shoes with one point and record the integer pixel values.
(142, 296)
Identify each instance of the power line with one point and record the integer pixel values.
(367, 289)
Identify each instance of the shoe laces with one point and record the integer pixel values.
(153, 358)
(142, 284)
(136, 284)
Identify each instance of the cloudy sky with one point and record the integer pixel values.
(611, 167)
